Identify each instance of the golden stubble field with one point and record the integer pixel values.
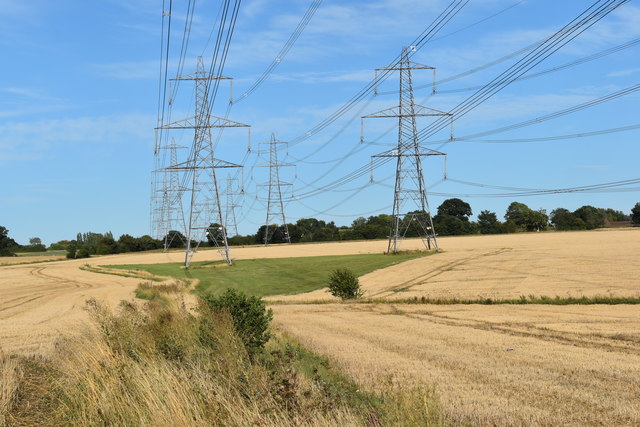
(490, 364)
(602, 262)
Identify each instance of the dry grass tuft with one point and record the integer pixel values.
(10, 377)
(151, 291)
(154, 365)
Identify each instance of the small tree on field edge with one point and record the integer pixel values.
(344, 284)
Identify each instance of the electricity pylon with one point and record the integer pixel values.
(275, 206)
(199, 170)
(172, 215)
(230, 211)
(410, 186)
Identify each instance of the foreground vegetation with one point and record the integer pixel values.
(277, 276)
(159, 364)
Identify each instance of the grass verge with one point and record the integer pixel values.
(522, 300)
(277, 276)
(150, 364)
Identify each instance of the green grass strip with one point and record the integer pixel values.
(274, 276)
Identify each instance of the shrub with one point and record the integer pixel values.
(250, 317)
(71, 251)
(82, 253)
(344, 284)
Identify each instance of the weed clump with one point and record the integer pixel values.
(250, 317)
(344, 284)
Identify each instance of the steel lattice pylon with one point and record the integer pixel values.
(172, 212)
(410, 204)
(230, 211)
(275, 206)
(204, 220)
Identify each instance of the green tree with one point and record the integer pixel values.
(35, 241)
(176, 239)
(148, 243)
(277, 233)
(456, 208)
(128, 243)
(374, 227)
(72, 249)
(81, 253)
(635, 214)
(453, 218)
(344, 284)
(563, 219)
(106, 246)
(6, 243)
(60, 245)
(447, 225)
(614, 215)
(525, 218)
(215, 233)
(592, 217)
(517, 213)
(488, 223)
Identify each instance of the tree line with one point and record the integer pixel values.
(452, 218)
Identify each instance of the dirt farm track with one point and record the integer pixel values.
(534, 364)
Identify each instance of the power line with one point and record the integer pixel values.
(283, 52)
(552, 138)
(450, 11)
(609, 97)
(552, 44)
(614, 186)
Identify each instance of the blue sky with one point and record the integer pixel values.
(79, 87)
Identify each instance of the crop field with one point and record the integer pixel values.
(570, 264)
(502, 364)
(492, 365)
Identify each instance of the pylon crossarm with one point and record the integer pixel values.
(201, 75)
(210, 120)
(408, 151)
(406, 65)
(185, 166)
(418, 111)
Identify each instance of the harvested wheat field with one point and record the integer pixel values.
(40, 302)
(570, 264)
(28, 259)
(492, 365)
(532, 364)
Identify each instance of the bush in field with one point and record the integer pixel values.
(250, 317)
(344, 284)
(82, 253)
(72, 249)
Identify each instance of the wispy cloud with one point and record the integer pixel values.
(129, 70)
(30, 140)
(624, 73)
(326, 77)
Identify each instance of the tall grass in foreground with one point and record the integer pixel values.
(10, 376)
(157, 364)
